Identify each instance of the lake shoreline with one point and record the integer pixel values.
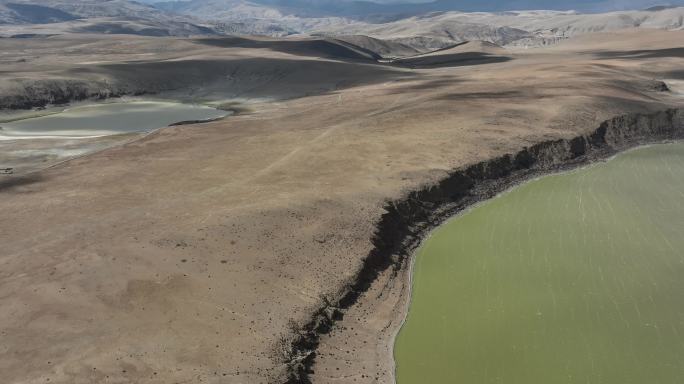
(46, 149)
(420, 249)
(410, 220)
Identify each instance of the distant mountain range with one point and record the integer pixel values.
(95, 16)
(519, 28)
(368, 10)
(416, 27)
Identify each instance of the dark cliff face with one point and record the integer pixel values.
(42, 93)
(407, 220)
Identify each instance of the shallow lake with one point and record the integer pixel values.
(107, 119)
(571, 278)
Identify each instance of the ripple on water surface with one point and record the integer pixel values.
(572, 278)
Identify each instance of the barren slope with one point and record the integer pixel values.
(519, 28)
(191, 255)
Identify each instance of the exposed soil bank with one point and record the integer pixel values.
(43, 93)
(202, 121)
(407, 220)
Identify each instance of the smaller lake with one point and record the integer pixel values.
(106, 119)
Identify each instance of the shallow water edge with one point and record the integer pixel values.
(43, 139)
(408, 220)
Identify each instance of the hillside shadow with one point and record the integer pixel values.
(9, 183)
(39, 14)
(643, 54)
(451, 60)
(314, 48)
(679, 74)
(244, 77)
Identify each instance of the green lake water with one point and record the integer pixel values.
(106, 119)
(571, 278)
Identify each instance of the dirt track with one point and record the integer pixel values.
(189, 255)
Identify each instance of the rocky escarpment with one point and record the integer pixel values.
(41, 93)
(407, 220)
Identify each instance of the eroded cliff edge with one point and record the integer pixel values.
(408, 219)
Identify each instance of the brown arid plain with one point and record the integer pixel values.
(196, 253)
